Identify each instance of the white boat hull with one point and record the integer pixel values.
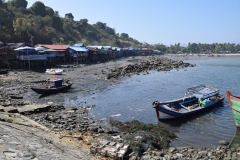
(54, 71)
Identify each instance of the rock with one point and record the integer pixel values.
(71, 111)
(82, 110)
(1, 109)
(10, 109)
(32, 108)
(171, 149)
(223, 142)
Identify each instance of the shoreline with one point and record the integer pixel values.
(207, 55)
(86, 78)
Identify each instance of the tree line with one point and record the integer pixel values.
(19, 23)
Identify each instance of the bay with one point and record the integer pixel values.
(132, 100)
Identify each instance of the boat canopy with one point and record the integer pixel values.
(57, 82)
(202, 91)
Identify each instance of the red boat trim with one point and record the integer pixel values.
(230, 96)
(236, 109)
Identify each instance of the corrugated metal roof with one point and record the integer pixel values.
(54, 46)
(17, 45)
(93, 49)
(131, 48)
(79, 49)
(50, 50)
(119, 49)
(107, 47)
(98, 47)
(144, 48)
(78, 45)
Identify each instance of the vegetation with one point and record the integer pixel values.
(19, 23)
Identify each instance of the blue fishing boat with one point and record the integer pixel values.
(195, 100)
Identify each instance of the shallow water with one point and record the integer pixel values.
(132, 99)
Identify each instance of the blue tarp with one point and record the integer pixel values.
(58, 83)
(78, 49)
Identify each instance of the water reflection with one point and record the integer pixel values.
(235, 140)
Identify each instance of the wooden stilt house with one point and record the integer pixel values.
(93, 54)
(79, 54)
(29, 57)
(61, 52)
(110, 52)
(8, 58)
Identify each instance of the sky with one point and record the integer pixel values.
(160, 21)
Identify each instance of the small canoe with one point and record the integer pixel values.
(52, 90)
(234, 102)
(195, 100)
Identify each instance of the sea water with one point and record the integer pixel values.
(132, 100)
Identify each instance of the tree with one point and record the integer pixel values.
(6, 28)
(160, 47)
(49, 11)
(39, 8)
(69, 16)
(84, 22)
(110, 30)
(57, 23)
(56, 13)
(237, 48)
(18, 3)
(124, 36)
(101, 25)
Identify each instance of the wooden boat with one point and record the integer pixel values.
(54, 71)
(50, 89)
(195, 100)
(234, 102)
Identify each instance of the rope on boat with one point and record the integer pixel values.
(227, 147)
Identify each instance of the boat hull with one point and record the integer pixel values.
(54, 71)
(196, 99)
(234, 102)
(165, 113)
(51, 90)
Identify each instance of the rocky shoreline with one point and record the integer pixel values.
(146, 141)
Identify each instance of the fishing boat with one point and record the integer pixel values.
(52, 86)
(234, 102)
(196, 99)
(54, 71)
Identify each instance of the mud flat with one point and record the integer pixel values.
(70, 124)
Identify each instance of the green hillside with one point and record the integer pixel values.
(19, 23)
(44, 25)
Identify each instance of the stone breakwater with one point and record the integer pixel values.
(150, 63)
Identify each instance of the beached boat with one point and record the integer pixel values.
(234, 102)
(54, 71)
(195, 100)
(52, 86)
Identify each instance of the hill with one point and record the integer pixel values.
(19, 23)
